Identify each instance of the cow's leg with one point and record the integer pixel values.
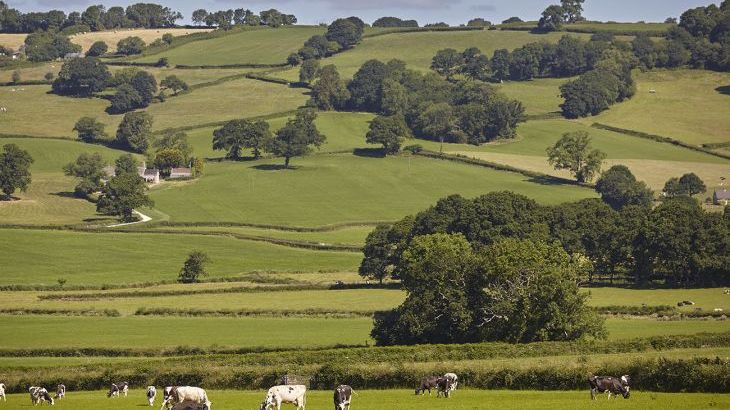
(593, 393)
(609, 395)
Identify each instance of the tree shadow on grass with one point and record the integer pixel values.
(10, 198)
(66, 195)
(552, 181)
(725, 90)
(369, 152)
(272, 167)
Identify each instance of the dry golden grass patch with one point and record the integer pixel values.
(111, 38)
(13, 41)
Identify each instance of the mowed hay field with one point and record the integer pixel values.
(418, 48)
(11, 40)
(42, 257)
(327, 189)
(49, 199)
(260, 45)
(111, 38)
(35, 72)
(688, 105)
(463, 399)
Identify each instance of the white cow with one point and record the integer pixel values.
(151, 394)
(39, 395)
(453, 379)
(2, 392)
(182, 394)
(295, 394)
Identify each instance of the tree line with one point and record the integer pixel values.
(225, 19)
(94, 18)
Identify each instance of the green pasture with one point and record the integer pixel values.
(33, 110)
(250, 332)
(687, 105)
(35, 72)
(247, 46)
(328, 189)
(418, 48)
(706, 299)
(49, 199)
(539, 96)
(42, 257)
(593, 26)
(190, 76)
(463, 399)
(347, 236)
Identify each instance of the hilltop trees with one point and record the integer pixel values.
(48, 46)
(552, 19)
(688, 184)
(236, 135)
(297, 137)
(134, 131)
(573, 152)
(14, 170)
(572, 10)
(81, 77)
(388, 131)
(345, 32)
(89, 168)
(394, 22)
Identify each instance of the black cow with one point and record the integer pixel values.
(428, 383)
(188, 406)
(343, 397)
(443, 387)
(610, 385)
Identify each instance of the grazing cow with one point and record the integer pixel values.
(343, 397)
(60, 391)
(453, 378)
(118, 388)
(166, 396)
(151, 394)
(443, 387)
(2, 392)
(428, 383)
(39, 395)
(610, 385)
(294, 394)
(187, 394)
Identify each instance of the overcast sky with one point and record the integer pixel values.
(425, 11)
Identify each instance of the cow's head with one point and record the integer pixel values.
(112, 390)
(626, 389)
(268, 401)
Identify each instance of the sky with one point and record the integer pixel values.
(454, 12)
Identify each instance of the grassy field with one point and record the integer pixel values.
(248, 46)
(687, 106)
(13, 41)
(417, 49)
(83, 258)
(705, 299)
(234, 99)
(327, 189)
(592, 26)
(49, 198)
(540, 96)
(463, 399)
(111, 38)
(190, 76)
(155, 332)
(35, 72)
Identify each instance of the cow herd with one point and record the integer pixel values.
(195, 398)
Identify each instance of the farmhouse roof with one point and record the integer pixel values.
(182, 170)
(150, 172)
(73, 55)
(722, 193)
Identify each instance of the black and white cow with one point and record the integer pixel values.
(39, 395)
(610, 385)
(60, 391)
(454, 379)
(428, 383)
(118, 388)
(151, 394)
(2, 392)
(343, 397)
(166, 402)
(443, 387)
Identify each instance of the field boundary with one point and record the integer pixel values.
(60, 312)
(285, 228)
(303, 313)
(223, 122)
(658, 138)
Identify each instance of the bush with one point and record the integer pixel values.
(97, 49)
(130, 46)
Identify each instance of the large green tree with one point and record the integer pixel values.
(447, 62)
(390, 132)
(236, 135)
(297, 137)
(619, 188)
(134, 132)
(90, 130)
(122, 194)
(194, 267)
(552, 18)
(130, 45)
(14, 170)
(572, 10)
(330, 91)
(573, 152)
(81, 77)
(89, 169)
(345, 32)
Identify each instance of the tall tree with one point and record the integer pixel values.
(297, 137)
(236, 135)
(388, 131)
(122, 194)
(90, 130)
(572, 10)
(308, 70)
(447, 62)
(199, 16)
(330, 91)
(500, 65)
(552, 19)
(89, 168)
(194, 267)
(134, 131)
(174, 83)
(345, 32)
(619, 188)
(692, 184)
(81, 77)
(573, 152)
(14, 170)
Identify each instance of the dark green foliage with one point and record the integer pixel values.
(512, 20)
(344, 32)
(308, 70)
(125, 99)
(194, 267)
(172, 82)
(47, 46)
(689, 184)
(134, 131)
(81, 77)
(294, 59)
(14, 170)
(394, 22)
(500, 65)
(596, 90)
(619, 188)
(447, 62)
(478, 22)
(297, 137)
(89, 168)
(98, 49)
(552, 19)
(573, 152)
(130, 46)
(90, 130)
(239, 134)
(366, 85)
(49, 76)
(125, 164)
(122, 194)
(135, 91)
(330, 91)
(515, 291)
(572, 10)
(388, 131)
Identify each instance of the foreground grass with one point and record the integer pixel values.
(328, 189)
(463, 399)
(248, 46)
(688, 105)
(42, 257)
(38, 332)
